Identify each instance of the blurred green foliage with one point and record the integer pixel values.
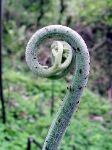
(28, 113)
(91, 11)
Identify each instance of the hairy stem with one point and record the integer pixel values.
(79, 81)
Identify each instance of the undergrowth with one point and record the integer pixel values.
(28, 104)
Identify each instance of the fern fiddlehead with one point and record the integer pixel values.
(78, 55)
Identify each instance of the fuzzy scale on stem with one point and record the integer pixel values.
(80, 58)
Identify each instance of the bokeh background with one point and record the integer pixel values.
(30, 101)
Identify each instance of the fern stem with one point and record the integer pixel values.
(79, 81)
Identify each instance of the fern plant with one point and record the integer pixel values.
(74, 51)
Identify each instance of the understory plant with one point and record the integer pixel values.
(69, 51)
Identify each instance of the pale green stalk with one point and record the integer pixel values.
(80, 58)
